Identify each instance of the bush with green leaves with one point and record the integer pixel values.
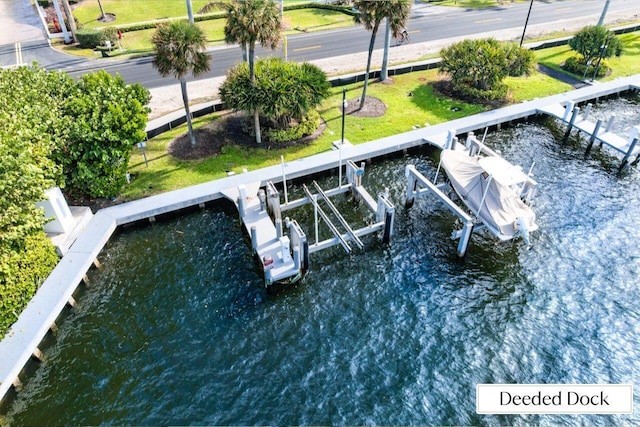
(308, 124)
(22, 271)
(32, 125)
(595, 42)
(109, 118)
(478, 67)
(593, 45)
(56, 129)
(284, 93)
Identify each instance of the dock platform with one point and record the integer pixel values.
(570, 114)
(267, 240)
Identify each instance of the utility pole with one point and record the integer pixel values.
(604, 12)
(526, 22)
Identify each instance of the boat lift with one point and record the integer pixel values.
(418, 185)
(285, 258)
(383, 208)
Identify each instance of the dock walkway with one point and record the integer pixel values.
(22, 340)
(570, 114)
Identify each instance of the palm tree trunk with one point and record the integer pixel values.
(102, 15)
(384, 73)
(366, 75)
(190, 11)
(185, 99)
(252, 78)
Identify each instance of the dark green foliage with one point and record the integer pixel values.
(284, 92)
(595, 42)
(307, 126)
(32, 125)
(109, 117)
(520, 61)
(478, 67)
(89, 37)
(93, 37)
(576, 66)
(54, 128)
(21, 273)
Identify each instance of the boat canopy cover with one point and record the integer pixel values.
(501, 206)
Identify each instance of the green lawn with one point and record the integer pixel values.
(410, 102)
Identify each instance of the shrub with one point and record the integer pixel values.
(477, 67)
(595, 42)
(89, 37)
(109, 117)
(576, 66)
(21, 274)
(283, 91)
(307, 126)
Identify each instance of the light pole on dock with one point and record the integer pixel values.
(344, 109)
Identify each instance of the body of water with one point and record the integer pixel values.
(178, 329)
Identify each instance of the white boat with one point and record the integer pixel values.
(492, 188)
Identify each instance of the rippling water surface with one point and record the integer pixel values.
(177, 329)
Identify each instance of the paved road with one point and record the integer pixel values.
(428, 24)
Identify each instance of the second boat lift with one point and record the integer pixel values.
(418, 185)
(285, 259)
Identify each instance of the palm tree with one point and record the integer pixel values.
(371, 14)
(252, 21)
(180, 50)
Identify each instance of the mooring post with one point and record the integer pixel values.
(465, 237)
(263, 200)
(574, 116)
(305, 254)
(242, 199)
(567, 109)
(412, 182)
(388, 224)
(296, 257)
(629, 152)
(587, 111)
(596, 129)
(254, 238)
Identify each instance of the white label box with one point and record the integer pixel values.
(554, 398)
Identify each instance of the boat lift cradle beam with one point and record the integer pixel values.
(384, 210)
(418, 184)
(341, 219)
(326, 219)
